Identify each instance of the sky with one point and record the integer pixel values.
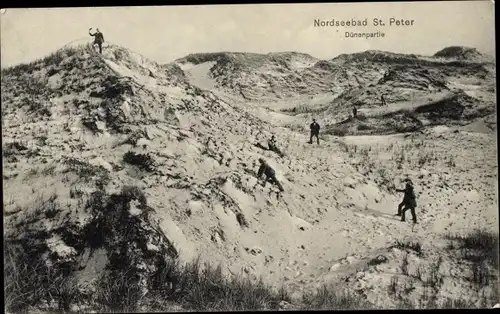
(165, 33)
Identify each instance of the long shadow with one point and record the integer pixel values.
(375, 213)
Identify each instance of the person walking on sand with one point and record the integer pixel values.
(409, 201)
(270, 174)
(382, 100)
(354, 112)
(98, 39)
(314, 131)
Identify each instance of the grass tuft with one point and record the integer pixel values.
(409, 245)
(329, 298)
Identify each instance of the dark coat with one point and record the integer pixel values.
(99, 38)
(409, 195)
(267, 170)
(314, 128)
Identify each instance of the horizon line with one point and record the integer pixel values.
(67, 45)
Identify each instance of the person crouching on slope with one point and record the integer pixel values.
(272, 143)
(409, 201)
(98, 38)
(274, 147)
(269, 173)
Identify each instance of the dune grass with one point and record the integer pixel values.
(31, 283)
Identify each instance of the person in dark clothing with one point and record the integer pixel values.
(269, 173)
(272, 143)
(409, 201)
(273, 147)
(314, 131)
(382, 99)
(98, 38)
(354, 112)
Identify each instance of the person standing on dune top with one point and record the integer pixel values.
(98, 38)
(314, 131)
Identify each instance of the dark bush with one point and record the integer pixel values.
(142, 161)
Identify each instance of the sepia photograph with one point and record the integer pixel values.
(250, 157)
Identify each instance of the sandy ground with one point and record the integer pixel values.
(455, 193)
(404, 105)
(337, 201)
